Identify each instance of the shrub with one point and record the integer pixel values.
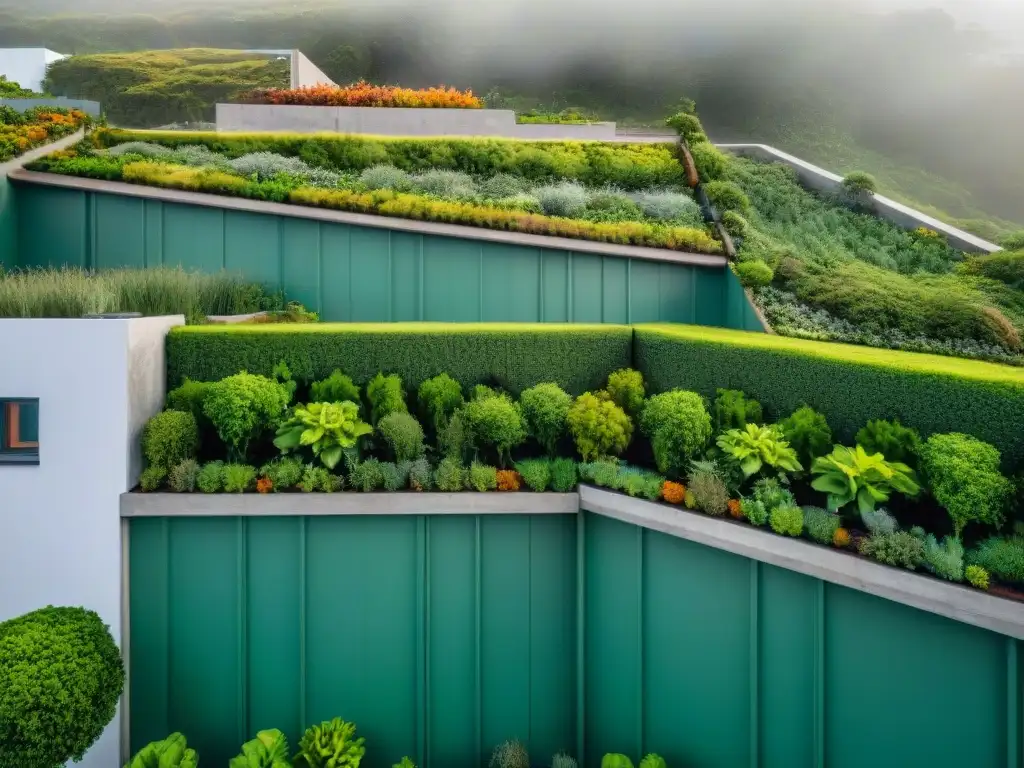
(891, 439)
(613, 760)
(239, 478)
(268, 750)
(60, 680)
(451, 475)
(496, 422)
(190, 397)
(612, 205)
(172, 752)
(841, 538)
(567, 199)
(421, 476)
(454, 440)
(709, 161)
(386, 396)
(964, 476)
(482, 477)
(169, 438)
(1014, 241)
(858, 182)
(821, 525)
(900, 549)
(678, 426)
(598, 427)
(735, 224)
(329, 429)
(945, 559)
(563, 475)
(266, 165)
(508, 480)
(638, 482)
(545, 409)
(1002, 557)
(850, 474)
(562, 760)
(726, 196)
(669, 206)
(787, 520)
(439, 398)
(283, 473)
(673, 493)
(709, 493)
(336, 388)
(332, 744)
(211, 477)
(976, 576)
(688, 127)
(184, 476)
(242, 406)
(732, 409)
(395, 476)
(1002, 266)
(536, 473)
(386, 177)
(264, 485)
(772, 495)
(319, 479)
(754, 447)
(445, 183)
(878, 521)
(367, 475)
(510, 754)
(502, 185)
(754, 273)
(808, 433)
(404, 436)
(626, 389)
(152, 478)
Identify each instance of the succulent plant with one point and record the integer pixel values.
(332, 744)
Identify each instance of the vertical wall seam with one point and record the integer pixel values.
(819, 674)
(693, 294)
(391, 278)
(126, 641)
(426, 638)
(529, 629)
(1013, 745)
(581, 599)
(755, 669)
(422, 277)
(223, 238)
(279, 226)
(477, 641)
(540, 285)
(421, 757)
(480, 286)
(629, 292)
(568, 287)
(303, 597)
(165, 532)
(243, 632)
(640, 640)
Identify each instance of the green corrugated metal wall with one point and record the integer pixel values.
(441, 636)
(352, 273)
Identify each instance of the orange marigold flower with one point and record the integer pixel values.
(508, 480)
(363, 94)
(264, 485)
(735, 509)
(673, 493)
(841, 538)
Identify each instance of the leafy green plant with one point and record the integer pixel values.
(878, 521)
(709, 492)
(211, 477)
(483, 477)
(510, 754)
(563, 475)
(807, 431)
(756, 446)
(329, 429)
(678, 426)
(536, 473)
(454, 439)
(653, 761)
(851, 474)
(320, 479)
(439, 398)
(732, 409)
(285, 472)
(615, 760)
(964, 476)
(735, 224)
(190, 397)
(857, 182)
(545, 410)
(60, 680)
(268, 750)
(241, 407)
(238, 478)
(421, 475)
(496, 422)
(405, 762)
(726, 196)
(976, 576)
(169, 438)
(900, 549)
(946, 558)
(172, 752)
(451, 475)
(770, 492)
(403, 434)
(820, 524)
(152, 478)
(183, 477)
(598, 427)
(754, 510)
(386, 396)
(332, 744)
(1002, 557)
(754, 273)
(367, 475)
(336, 388)
(396, 476)
(787, 520)
(627, 390)
(891, 439)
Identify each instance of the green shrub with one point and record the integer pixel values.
(963, 473)
(808, 433)
(638, 482)
(767, 496)
(626, 389)
(519, 355)
(451, 475)
(653, 761)
(878, 521)
(787, 520)
(421, 475)
(482, 477)
(735, 224)
(945, 559)
(169, 438)
(1014, 241)
(901, 549)
(536, 473)
(1002, 557)
(367, 476)
(336, 388)
(211, 477)
(709, 161)
(439, 398)
(732, 409)
(710, 494)
(60, 680)
(496, 422)
(268, 750)
(598, 427)
(396, 476)
(976, 576)
(172, 752)
(613, 760)
(332, 744)
(566, 199)
(190, 397)
(482, 392)
(243, 406)
(563, 475)
(239, 478)
(821, 525)
(386, 396)
(688, 127)
(404, 436)
(851, 384)
(510, 754)
(892, 440)
(754, 510)
(857, 182)
(545, 409)
(329, 429)
(678, 426)
(320, 479)
(284, 473)
(562, 760)
(755, 447)
(152, 478)
(454, 440)
(754, 273)
(184, 476)
(726, 196)
(1006, 267)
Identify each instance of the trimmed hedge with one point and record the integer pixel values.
(518, 356)
(849, 384)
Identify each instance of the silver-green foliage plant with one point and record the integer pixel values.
(421, 475)
(851, 474)
(266, 165)
(901, 549)
(567, 199)
(821, 525)
(328, 428)
(510, 754)
(332, 744)
(562, 760)
(755, 446)
(268, 750)
(665, 205)
(879, 521)
(403, 434)
(445, 183)
(710, 494)
(386, 177)
(545, 409)
(946, 558)
(184, 476)
(172, 752)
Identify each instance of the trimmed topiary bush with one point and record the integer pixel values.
(169, 438)
(60, 680)
(496, 422)
(964, 476)
(598, 427)
(754, 273)
(626, 389)
(386, 396)
(564, 475)
(858, 183)
(336, 388)
(439, 398)
(545, 409)
(678, 426)
(536, 473)
(726, 196)
(242, 406)
(403, 434)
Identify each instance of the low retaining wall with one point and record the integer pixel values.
(380, 121)
(820, 180)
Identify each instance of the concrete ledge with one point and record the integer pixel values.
(366, 220)
(820, 180)
(945, 599)
(345, 503)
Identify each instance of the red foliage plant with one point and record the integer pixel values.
(508, 480)
(363, 94)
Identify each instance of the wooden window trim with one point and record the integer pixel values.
(14, 441)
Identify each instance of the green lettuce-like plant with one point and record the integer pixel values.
(616, 760)
(755, 446)
(172, 752)
(328, 428)
(851, 474)
(405, 762)
(332, 744)
(268, 750)
(653, 761)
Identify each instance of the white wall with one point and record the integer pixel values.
(27, 66)
(97, 382)
(305, 73)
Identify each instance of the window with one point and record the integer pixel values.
(19, 431)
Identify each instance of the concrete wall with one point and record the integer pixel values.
(820, 180)
(27, 66)
(398, 122)
(97, 382)
(85, 105)
(305, 73)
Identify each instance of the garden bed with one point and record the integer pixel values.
(23, 131)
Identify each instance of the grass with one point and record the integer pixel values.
(159, 291)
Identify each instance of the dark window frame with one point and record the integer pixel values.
(14, 450)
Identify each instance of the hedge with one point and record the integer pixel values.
(849, 384)
(517, 356)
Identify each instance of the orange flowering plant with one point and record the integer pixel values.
(363, 94)
(20, 132)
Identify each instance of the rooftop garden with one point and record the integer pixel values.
(22, 131)
(611, 192)
(363, 94)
